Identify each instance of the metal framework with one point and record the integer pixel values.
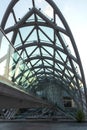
(44, 44)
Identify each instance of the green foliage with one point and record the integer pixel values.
(80, 117)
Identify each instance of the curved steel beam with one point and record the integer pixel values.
(50, 58)
(6, 15)
(57, 70)
(67, 31)
(40, 44)
(55, 75)
(57, 11)
(16, 26)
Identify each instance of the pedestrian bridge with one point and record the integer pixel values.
(13, 94)
(40, 64)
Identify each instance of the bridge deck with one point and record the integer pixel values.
(12, 96)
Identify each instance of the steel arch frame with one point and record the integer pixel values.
(57, 29)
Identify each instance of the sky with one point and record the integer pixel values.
(75, 13)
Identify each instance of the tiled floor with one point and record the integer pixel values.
(25, 125)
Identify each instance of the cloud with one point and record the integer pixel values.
(40, 1)
(49, 11)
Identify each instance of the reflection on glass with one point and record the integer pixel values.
(12, 66)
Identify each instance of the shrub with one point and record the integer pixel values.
(80, 117)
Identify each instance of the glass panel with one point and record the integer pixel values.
(40, 19)
(25, 31)
(59, 22)
(63, 56)
(48, 31)
(49, 50)
(49, 61)
(43, 38)
(58, 43)
(36, 53)
(58, 57)
(12, 66)
(68, 44)
(71, 73)
(61, 66)
(18, 41)
(23, 55)
(31, 18)
(58, 67)
(77, 69)
(67, 73)
(46, 63)
(30, 50)
(36, 61)
(33, 36)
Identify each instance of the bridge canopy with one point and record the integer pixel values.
(43, 57)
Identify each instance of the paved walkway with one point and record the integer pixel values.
(25, 125)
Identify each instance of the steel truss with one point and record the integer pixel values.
(46, 52)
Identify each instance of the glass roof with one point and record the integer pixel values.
(37, 37)
(42, 38)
